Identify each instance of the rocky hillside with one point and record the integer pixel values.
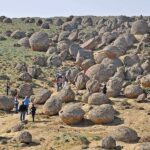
(91, 51)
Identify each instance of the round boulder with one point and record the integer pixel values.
(142, 146)
(139, 27)
(52, 106)
(71, 114)
(25, 90)
(66, 94)
(42, 96)
(101, 72)
(108, 143)
(72, 73)
(25, 76)
(21, 67)
(133, 91)
(93, 86)
(45, 25)
(145, 81)
(25, 137)
(98, 99)
(24, 42)
(39, 60)
(6, 103)
(102, 114)
(125, 134)
(18, 34)
(7, 20)
(39, 41)
(81, 81)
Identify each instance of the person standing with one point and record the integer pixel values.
(26, 103)
(105, 89)
(16, 102)
(22, 110)
(7, 88)
(33, 112)
(59, 82)
(65, 82)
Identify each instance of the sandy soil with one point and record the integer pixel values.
(51, 133)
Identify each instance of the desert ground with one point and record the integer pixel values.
(96, 50)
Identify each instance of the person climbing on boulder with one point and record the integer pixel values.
(26, 103)
(65, 82)
(59, 82)
(105, 89)
(22, 110)
(33, 112)
(7, 88)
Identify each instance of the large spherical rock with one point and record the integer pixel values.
(130, 59)
(25, 90)
(66, 94)
(108, 143)
(113, 51)
(139, 27)
(58, 22)
(39, 41)
(72, 73)
(69, 26)
(142, 146)
(93, 86)
(35, 71)
(81, 81)
(25, 76)
(45, 25)
(39, 60)
(6, 103)
(24, 42)
(145, 81)
(133, 72)
(52, 106)
(7, 20)
(146, 67)
(133, 91)
(115, 62)
(101, 72)
(39, 22)
(18, 34)
(25, 137)
(54, 60)
(114, 86)
(102, 114)
(98, 99)
(125, 134)
(21, 67)
(41, 97)
(71, 114)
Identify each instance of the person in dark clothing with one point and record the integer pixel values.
(105, 89)
(22, 110)
(33, 111)
(7, 88)
(59, 82)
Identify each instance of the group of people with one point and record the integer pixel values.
(61, 81)
(24, 108)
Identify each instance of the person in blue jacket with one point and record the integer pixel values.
(26, 103)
